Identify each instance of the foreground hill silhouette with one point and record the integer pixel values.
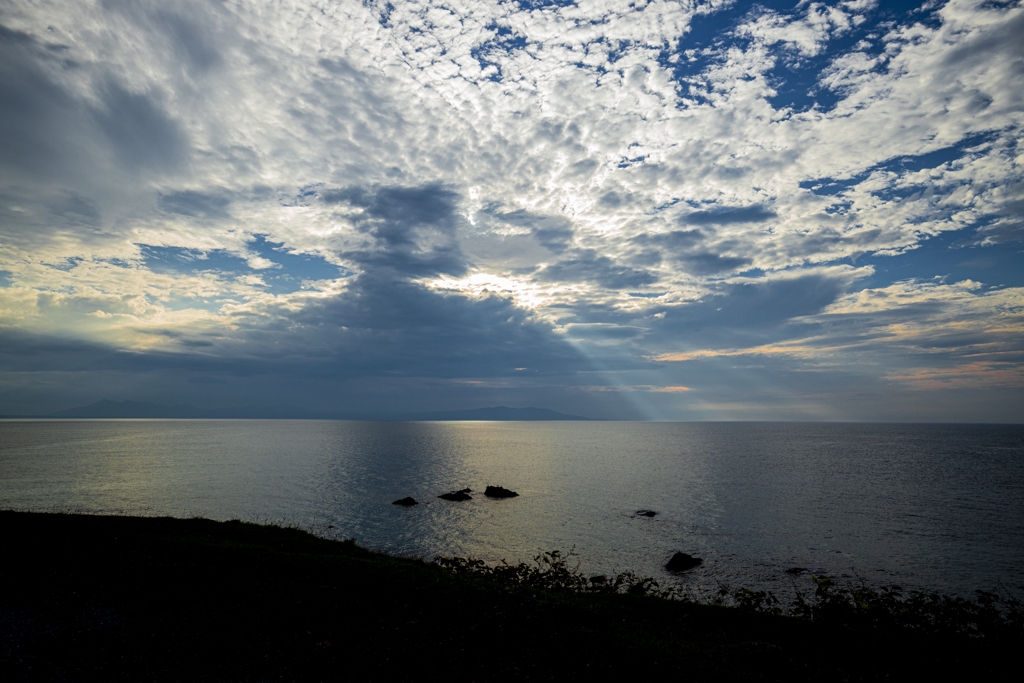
(161, 599)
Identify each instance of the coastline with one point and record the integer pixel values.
(128, 598)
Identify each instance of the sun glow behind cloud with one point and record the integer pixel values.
(525, 293)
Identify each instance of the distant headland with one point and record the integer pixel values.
(497, 413)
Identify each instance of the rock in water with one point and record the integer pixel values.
(456, 495)
(645, 513)
(406, 502)
(807, 571)
(682, 561)
(499, 492)
(466, 490)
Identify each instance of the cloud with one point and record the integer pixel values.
(414, 228)
(193, 203)
(755, 307)
(48, 130)
(728, 215)
(377, 327)
(552, 232)
(956, 334)
(807, 34)
(403, 190)
(140, 132)
(384, 326)
(392, 213)
(603, 331)
(586, 265)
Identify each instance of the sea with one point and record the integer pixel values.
(933, 507)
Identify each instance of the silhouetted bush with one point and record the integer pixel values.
(551, 571)
(887, 608)
(862, 608)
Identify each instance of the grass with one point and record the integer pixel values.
(161, 599)
(889, 609)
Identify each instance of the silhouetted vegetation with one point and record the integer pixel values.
(888, 608)
(161, 599)
(551, 571)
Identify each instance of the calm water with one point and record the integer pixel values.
(926, 506)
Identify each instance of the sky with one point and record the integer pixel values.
(693, 210)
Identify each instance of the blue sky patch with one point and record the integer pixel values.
(795, 77)
(504, 43)
(286, 276)
(947, 255)
(183, 260)
(67, 264)
(899, 165)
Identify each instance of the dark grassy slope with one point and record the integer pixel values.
(122, 598)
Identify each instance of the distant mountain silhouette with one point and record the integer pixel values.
(185, 411)
(128, 409)
(497, 413)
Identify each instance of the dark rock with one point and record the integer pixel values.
(645, 513)
(682, 562)
(406, 502)
(466, 490)
(806, 571)
(456, 495)
(499, 492)
(599, 580)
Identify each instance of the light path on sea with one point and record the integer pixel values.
(926, 506)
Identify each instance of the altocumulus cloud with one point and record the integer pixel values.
(811, 211)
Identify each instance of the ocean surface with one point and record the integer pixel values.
(935, 507)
